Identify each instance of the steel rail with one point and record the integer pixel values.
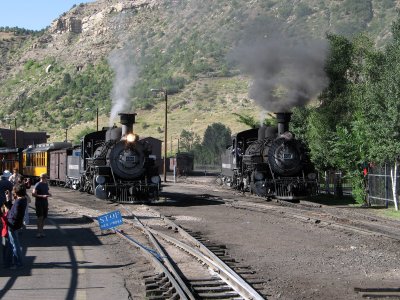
(207, 256)
(317, 217)
(225, 272)
(159, 264)
(157, 258)
(180, 284)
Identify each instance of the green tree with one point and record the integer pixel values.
(380, 107)
(216, 137)
(82, 133)
(334, 108)
(67, 79)
(335, 130)
(187, 140)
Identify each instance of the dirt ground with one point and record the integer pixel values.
(297, 259)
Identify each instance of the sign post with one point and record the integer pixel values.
(110, 220)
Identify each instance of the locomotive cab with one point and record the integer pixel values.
(233, 156)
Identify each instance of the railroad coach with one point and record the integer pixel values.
(36, 160)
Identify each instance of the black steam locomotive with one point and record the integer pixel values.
(112, 163)
(270, 162)
(117, 165)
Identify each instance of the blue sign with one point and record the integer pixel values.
(110, 220)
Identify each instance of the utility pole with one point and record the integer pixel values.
(15, 132)
(15, 129)
(97, 118)
(165, 128)
(165, 134)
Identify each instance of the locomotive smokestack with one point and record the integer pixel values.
(283, 119)
(127, 121)
(261, 132)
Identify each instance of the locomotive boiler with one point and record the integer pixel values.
(118, 166)
(270, 162)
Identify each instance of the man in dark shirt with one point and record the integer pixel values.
(15, 219)
(41, 194)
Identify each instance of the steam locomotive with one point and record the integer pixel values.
(112, 163)
(270, 162)
(117, 165)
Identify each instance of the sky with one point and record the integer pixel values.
(33, 14)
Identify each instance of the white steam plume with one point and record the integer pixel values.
(126, 75)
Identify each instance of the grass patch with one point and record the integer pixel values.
(389, 213)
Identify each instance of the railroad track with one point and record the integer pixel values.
(379, 293)
(205, 284)
(213, 278)
(314, 213)
(321, 217)
(186, 266)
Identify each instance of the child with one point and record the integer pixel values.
(5, 243)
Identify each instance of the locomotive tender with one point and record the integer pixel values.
(270, 162)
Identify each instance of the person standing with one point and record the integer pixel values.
(41, 194)
(15, 219)
(5, 244)
(15, 177)
(21, 180)
(5, 185)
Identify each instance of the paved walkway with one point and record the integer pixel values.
(69, 263)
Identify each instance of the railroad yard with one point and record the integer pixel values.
(282, 250)
(277, 119)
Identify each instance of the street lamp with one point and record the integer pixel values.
(165, 128)
(15, 129)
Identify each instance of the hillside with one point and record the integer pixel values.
(108, 53)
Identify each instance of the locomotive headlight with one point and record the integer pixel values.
(258, 175)
(100, 179)
(131, 138)
(155, 179)
(312, 176)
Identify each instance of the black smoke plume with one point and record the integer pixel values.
(285, 73)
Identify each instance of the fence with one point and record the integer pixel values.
(380, 185)
(337, 183)
(207, 169)
(334, 182)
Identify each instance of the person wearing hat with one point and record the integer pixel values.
(41, 194)
(5, 187)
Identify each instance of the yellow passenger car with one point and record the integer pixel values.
(36, 159)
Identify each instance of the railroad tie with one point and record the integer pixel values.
(210, 296)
